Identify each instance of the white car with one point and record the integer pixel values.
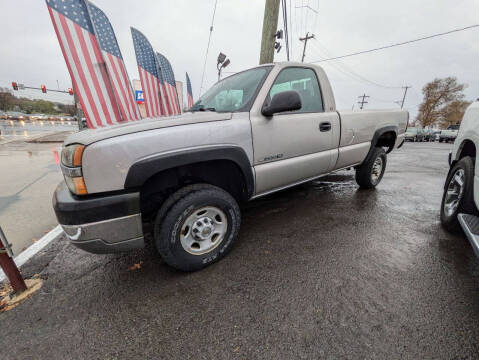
(461, 191)
(449, 134)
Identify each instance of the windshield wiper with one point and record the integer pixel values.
(201, 107)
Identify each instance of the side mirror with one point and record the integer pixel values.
(281, 102)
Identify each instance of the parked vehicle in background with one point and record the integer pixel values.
(449, 134)
(414, 134)
(436, 134)
(460, 200)
(427, 134)
(254, 133)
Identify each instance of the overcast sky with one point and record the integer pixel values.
(179, 29)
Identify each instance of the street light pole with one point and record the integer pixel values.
(221, 64)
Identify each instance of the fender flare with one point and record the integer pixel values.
(145, 168)
(377, 134)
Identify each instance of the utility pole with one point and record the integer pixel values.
(404, 97)
(270, 24)
(363, 101)
(305, 39)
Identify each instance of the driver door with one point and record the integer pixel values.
(288, 146)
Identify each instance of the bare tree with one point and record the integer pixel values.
(438, 97)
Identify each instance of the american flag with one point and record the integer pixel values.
(82, 55)
(170, 83)
(114, 64)
(149, 74)
(189, 91)
(163, 89)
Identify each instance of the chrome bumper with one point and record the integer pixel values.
(112, 235)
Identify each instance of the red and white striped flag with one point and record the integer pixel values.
(149, 75)
(169, 83)
(83, 57)
(114, 63)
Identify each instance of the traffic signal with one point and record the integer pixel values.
(14, 85)
(44, 89)
(70, 91)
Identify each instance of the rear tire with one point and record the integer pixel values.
(458, 199)
(196, 227)
(370, 173)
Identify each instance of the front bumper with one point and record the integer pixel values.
(100, 223)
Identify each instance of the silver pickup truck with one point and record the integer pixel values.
(256, 132)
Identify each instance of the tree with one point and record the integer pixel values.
(67, 109)
(453, 112)
(7, 101)
(443, 98)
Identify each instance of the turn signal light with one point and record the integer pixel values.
(80, 186)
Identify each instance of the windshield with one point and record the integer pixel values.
(234, 93)
(412, 130)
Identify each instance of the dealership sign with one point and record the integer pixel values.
(139, 97)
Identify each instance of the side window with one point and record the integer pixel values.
(305, 82)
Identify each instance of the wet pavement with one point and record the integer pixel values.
(29, 173)
(324, 270)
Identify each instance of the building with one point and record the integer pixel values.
(179, 90)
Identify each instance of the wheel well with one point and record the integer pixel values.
(222, 173)
(387, 139)
(467, 149)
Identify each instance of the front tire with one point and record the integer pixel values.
(458, 194)
(198, 229)
(370, 173)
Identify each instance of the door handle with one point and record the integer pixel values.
(325, 126)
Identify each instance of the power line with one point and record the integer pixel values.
(383, 100)
(208, 46)
(398, 44)
(349, 72)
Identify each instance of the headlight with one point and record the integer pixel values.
(71, 168)
(72, 155)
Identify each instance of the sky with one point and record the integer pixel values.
(179, 29)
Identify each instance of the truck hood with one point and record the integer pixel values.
(87, 137)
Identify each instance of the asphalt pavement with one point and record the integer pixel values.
(324, 270)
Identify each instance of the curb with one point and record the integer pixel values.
(33, 249)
